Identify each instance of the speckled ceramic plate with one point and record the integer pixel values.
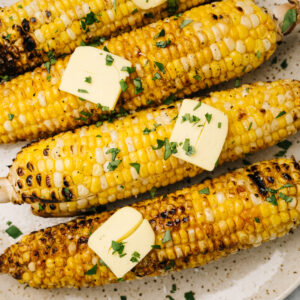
(270, 271)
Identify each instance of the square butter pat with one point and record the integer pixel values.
(126, 226)
(87, 76)
(206, 135)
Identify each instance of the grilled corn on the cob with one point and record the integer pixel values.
(33, 31)
(234, 214)
(76, 170)
(204, 46)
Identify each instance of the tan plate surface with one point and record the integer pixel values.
(271, 271)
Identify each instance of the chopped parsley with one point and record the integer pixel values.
(115, 5)
(105, 49)
(170, 265)
(185, 23)
(250, 126)
(88, 79)
(138, 85)
(257, 220)
(160, 144)
(11, 116)
(114, 152)
(272, 199)
(147, 130)
(160, 34)
(156, 246)
(289, 20)
(163, 44)
(48, 77)
(123, 85)
(82, 91)
(92, 270)
(284, 64)
(204, 191)
(109, 60)
(113, 165)
(156, 76)
(192, 119)
(153, 192)
(197, 106)
(170, 99)
(208, 117)
(281, 114)
(134, 11)
(118, 248)
(274, 60)
(130, 70)
(160, 67)
(188, 148)
(7, 37)
(167, 237)
(189, 295)
(197, 77)
(41, 208)
(285, 145)
(170, 148)
(174, 288)
(13, 231)
(135, 257)
(258, 54)
(20, 6)
(237, 83)
(172, 6)
(219, 124)
(90, 19)
(286, 198)
(11, 18)
(120, 279)
(136, 166)
(246, 162)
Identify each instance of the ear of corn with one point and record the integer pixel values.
(234, 214)
(33, 31)
(74, 171)
(205, 46)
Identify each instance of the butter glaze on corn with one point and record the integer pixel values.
(225, 40)
(235, 215)
(36, 27)
(69, 171)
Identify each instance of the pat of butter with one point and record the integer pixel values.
(206, 135)
(147, 4)
(126, 226)
(87, 76)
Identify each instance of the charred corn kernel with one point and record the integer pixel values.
(193, 50)
(49, 29)
(192, 243)
(90, 177)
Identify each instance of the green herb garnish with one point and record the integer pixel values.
(136, 166)
(13, 231)
(109, 60)
(167, 237)
(135, 257)
(92, 270)
(204, 191)
(118, 248)
(185, 23)
(163, 44)
(160, 34)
